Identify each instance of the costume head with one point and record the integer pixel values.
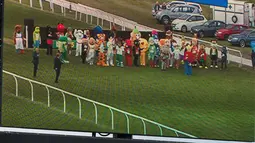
(154, 33)
(151, 41)
(18, 28)
(167, 42)
(128, 43)
(189, 48)
(61, 28)
(162, 42)
(169, 34)
(135, 34)
(86, 34)
(202, 47)
(78, 34)
(92, 41)
(37, 30)
(214, 44)
(70, 30)
(143, 43)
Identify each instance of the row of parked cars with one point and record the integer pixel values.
(187, 17)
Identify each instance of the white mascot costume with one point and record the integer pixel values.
(79, 36)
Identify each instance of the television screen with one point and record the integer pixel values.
(171, 69)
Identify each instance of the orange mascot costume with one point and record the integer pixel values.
(144, 48)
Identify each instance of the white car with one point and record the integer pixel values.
(187, 21)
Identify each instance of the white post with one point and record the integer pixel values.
(48, 95)
(91, 19)
(62, 9)
(87, 18)
(80, 16)
(110, 25)
(26, 36)
(17, 86)
(31, 3)
(95, 112)
(20, 1)
(97, 21)
(76, 14)
(79, 107)
(41, 5)
(52, 5)
(32, 91)
(102, 22)
(64, 98)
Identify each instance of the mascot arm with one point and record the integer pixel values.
(75, 33)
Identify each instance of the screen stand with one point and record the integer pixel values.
(116, 136)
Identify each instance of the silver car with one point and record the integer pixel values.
(168, 15)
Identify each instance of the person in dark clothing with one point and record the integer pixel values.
(136, 52)
(49, 41)
(84, 51)
(35, 60)
(57, 66)
(224, 57)
(253, 58)
(164, 6)
(156, 7)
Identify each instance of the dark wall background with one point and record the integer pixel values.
(120, 34)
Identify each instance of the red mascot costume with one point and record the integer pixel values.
(128, 52)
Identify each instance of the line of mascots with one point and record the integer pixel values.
(162, 53)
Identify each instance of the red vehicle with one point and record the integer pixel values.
(230, 29)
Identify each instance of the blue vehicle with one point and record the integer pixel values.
(243, 39)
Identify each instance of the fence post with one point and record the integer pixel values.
(27, 37)
(95, 112)
(64, 98)
(97, 21)
(31, 3)
(102, 22)
(176, 134)
(87, 18)
(20, 1)
(127, 123)
(144, 127)
(76, 14)
(17, 86)
(32, 91)
(91, 19)
(112, 119)
(80, 16)
(52, 5)
(48, 96)
(41, 5)
(79, 107)
(161, 133)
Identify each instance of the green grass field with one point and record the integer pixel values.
(211, 104)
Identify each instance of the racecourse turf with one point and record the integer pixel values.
(210, 104)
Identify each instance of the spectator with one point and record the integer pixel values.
(164, 6)
(156, 6)
(57, 66)
(35, 60)
(253, 15)
(253, 58)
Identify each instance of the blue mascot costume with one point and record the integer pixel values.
(253, 54)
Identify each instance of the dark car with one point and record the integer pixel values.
(208, 29)
(243, 39)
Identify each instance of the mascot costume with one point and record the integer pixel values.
(128, 52)
(177, 51)
(136, 51)
(144, 48)
(70, 37)
(78, 34)
(37, 37)
(100, 45)
(135, 35)
(18, 39)
(183, 48)
(151, 51)
(253, 54)
(194, 50)
(188, 59)
(91, 54)
(214, 55)
(164, 56)
(154, 34)
(110, 50)
(62, 43)
(49, 40)
(202, 57)
(119, 54)
(224, 57)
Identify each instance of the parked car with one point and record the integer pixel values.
(230, 29)
(243, 39)
(208, 29)
(187, 21)
(196, 5)
(168, 15)
(172, 3)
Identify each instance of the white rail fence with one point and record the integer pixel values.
(95, 104)
(123, 22)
